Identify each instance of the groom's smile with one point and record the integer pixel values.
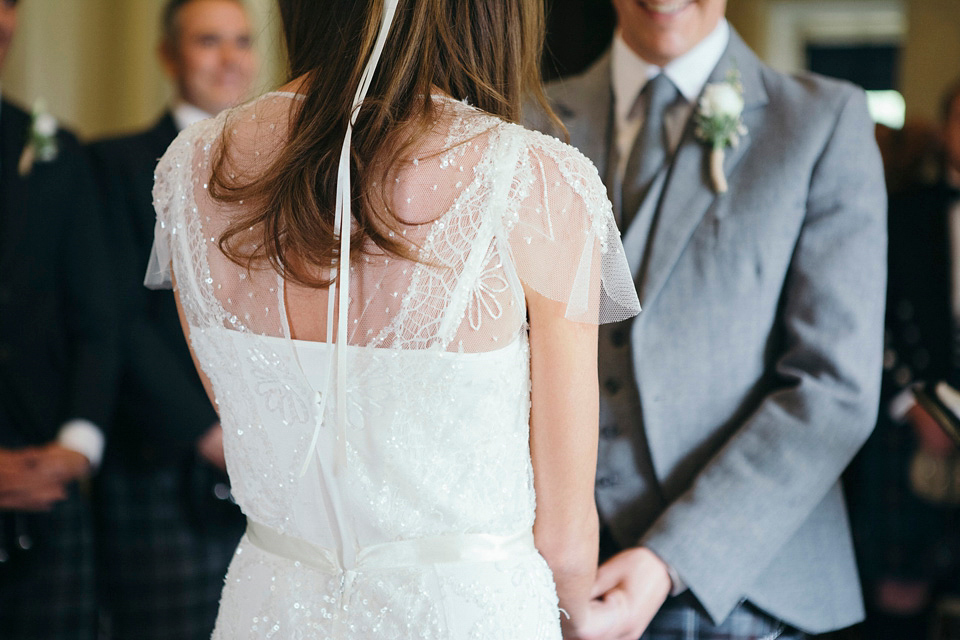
(669, 8)
(662, 30)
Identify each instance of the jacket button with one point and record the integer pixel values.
(612, 385)
(607, 481)
(221, 491)
(619, 338)
(609, 432)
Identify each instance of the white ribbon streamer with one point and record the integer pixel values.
(341, 273)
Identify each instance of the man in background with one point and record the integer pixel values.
(907, 481)
(752, 208)
(58, 366)
(167, 527)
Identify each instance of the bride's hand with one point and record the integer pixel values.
(629, 590)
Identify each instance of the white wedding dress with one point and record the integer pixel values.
(414, 520)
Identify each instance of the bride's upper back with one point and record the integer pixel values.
(482, 208)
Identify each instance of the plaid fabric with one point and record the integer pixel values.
(163, 552)
(48, 592)
(682, 618)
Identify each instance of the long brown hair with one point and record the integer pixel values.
(484, 51)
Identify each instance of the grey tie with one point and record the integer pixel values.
(650, 149)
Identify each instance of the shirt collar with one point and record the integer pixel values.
(689, 72)
(186, 114)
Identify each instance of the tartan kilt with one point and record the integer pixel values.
(48, 592)
(682, 618)
(164, 541)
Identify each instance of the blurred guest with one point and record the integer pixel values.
(58, 365)
(166, 524)
(906, 483)
(911, 155)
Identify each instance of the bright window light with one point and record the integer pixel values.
(887, 108)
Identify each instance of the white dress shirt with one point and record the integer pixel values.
(85, 438)
(689, 73)
(186, 114)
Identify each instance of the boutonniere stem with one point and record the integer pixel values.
(719, 123)
(717, 156)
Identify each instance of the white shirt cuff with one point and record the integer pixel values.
(85, 438)
(900, 405)
(679, 586)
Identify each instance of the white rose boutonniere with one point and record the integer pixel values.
(719, 124)
(42, 142)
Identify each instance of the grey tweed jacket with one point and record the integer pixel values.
(757, 355)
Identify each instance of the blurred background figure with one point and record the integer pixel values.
(907, 506)
(167, 526)
(58, 364)
(911, 155)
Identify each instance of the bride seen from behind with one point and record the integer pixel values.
(412, 435)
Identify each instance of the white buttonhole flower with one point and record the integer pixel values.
(719, 123)
(42, 142)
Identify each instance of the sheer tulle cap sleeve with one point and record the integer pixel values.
(564, 240)
(158, 268)
(169, 197)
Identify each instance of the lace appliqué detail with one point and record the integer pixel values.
(486, 295)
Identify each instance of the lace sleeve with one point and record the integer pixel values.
(168, 183)
(564, 241)
(170, 194)
(158, 267)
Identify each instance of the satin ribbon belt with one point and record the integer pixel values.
(471, 547)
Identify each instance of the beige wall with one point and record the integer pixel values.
(931, 54)
(94, 62)
(931, 60)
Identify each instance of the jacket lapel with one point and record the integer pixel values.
(13, 187)
(689, 193)
(162, 134)
(584, 104)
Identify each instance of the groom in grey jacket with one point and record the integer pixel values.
(732, 403)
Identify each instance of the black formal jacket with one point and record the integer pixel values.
(163, 409)
(919, 320)
(898, 534)
(58, 329)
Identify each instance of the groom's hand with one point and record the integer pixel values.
(629, 590)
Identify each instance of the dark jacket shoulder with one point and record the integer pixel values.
(139, 147)
(15, 122)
